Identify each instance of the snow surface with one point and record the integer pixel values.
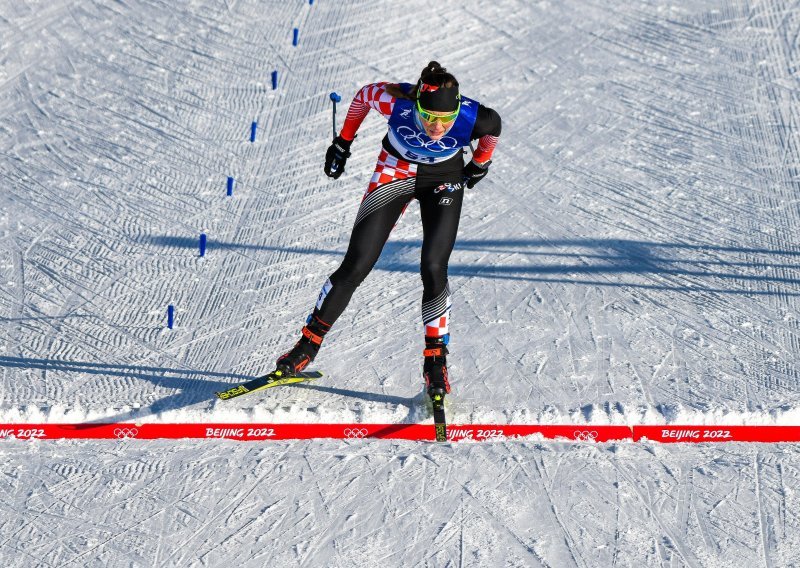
(631, 258)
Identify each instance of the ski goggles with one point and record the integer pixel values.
(430, 118)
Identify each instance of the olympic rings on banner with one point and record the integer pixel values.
(125, 433)
(585, 435)
(355, 432)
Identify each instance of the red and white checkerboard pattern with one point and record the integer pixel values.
(436, 314)
(372, 96)
(377, 98)
(438, 327)
(387, 169)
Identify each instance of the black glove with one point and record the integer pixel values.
(473, 173)
(336, 157)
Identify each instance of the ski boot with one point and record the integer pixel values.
(305, 350)
(437, 381)
(435, 368)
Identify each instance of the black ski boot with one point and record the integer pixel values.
(305, 350)
(435, 368)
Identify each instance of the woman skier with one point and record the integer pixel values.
(429, 125)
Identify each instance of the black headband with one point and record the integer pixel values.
(438, 99)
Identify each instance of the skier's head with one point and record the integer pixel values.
(437, 100)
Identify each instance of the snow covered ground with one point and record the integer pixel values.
(367, 503)
(631, 258)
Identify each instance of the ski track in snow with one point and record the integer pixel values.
(339, 503)
(631, 258)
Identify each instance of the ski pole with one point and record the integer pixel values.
(471, 147)
(335, 98)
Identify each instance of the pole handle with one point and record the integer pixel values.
(335, 98)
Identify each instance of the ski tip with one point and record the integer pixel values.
(310, 374)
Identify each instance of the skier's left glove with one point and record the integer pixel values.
(473, 172)
(336, 157)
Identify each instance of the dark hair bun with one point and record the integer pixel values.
(433, 67)
(435, 74)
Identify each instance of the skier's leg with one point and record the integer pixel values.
(440, 207)
(384, 201)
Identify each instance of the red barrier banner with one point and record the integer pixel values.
(455, 432)
(702, 434)
(245, 432)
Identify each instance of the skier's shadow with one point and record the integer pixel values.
(682, 267)
(190, 386)
(413, 404)
(361, 395)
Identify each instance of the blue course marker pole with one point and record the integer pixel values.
(274, 80)
(203, 240)
(253, 128)
(296, 33)
(170, 316)
(335, 98)
(230, 186)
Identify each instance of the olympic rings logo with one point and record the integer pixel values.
(413, 139)
(355, 433)
(585, 435)
(125, 433)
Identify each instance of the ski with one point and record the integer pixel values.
(273, 379)
(439, 421)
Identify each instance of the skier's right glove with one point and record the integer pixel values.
(336, 157)
(473, 173)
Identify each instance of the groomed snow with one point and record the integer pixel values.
(630, 259)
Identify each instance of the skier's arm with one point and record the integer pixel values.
(374, 96)
(487, 131)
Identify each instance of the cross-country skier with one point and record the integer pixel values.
(430, 123)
